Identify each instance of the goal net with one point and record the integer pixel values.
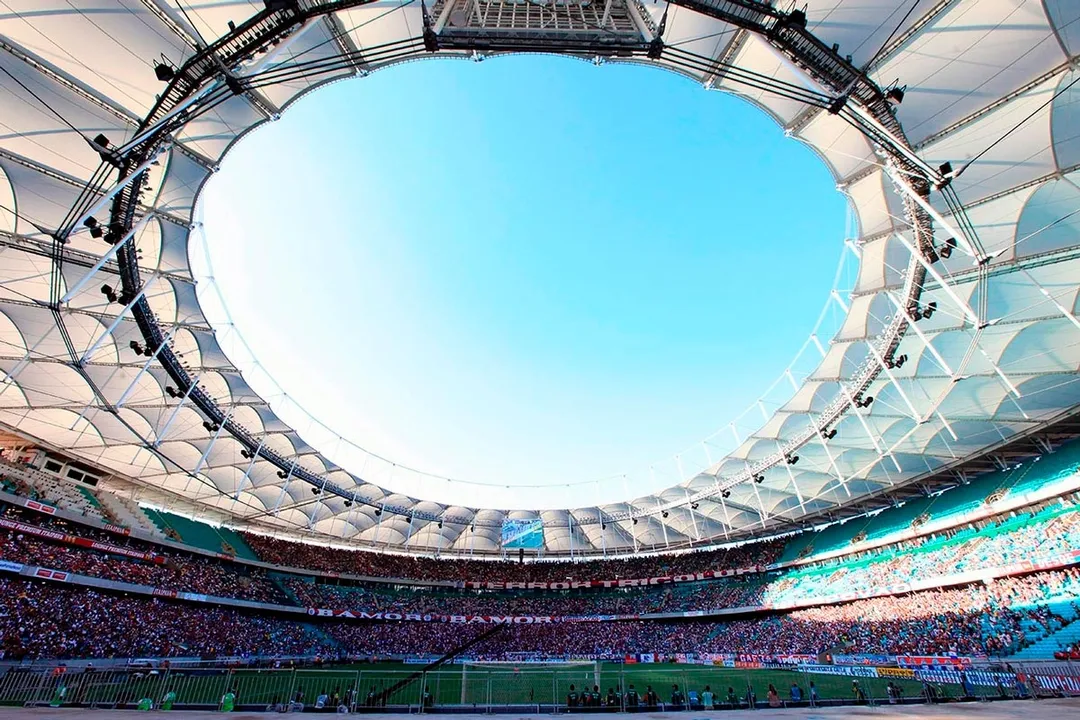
(526, 682)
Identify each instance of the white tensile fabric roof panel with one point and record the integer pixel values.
(987, 89)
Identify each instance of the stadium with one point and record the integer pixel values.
(898, 526)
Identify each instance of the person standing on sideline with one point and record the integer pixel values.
(707, 698)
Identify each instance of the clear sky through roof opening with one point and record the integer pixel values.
(542, 277)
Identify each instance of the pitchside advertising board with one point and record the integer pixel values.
(523, 534)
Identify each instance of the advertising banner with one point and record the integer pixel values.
(48, 574)
(453, 619)
(79, 541)
(975, 677)
(864, 659)
(933, 661)
(40, 507)
(1068, 684)
(619, 583)
(848, 670)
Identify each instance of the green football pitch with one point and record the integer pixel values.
(470, 686)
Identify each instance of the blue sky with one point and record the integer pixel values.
(528, 270)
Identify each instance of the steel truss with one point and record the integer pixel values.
(224, 69)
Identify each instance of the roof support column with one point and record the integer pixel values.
(922, 202)
(855, 410)
(921, 335)
(892, 379)
(109, 255)
(165, 120)
(176, 411)
(116, 321)
(1000, 373)
(663, 526)
(964, 307)
(607, 14)
(764, 515)
(210, 447)
(247, 472)
(9, 378)
(824, 446)
(111, 192)
(1046, 293)
(145, 367)
(693, 518)
(284, 489)
(727, 517)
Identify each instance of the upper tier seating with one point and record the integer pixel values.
(200, 534)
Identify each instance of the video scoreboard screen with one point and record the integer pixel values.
(527, 534)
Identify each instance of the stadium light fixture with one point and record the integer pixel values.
(164, 72)
(92, 224)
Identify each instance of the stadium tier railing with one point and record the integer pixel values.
(527, 689)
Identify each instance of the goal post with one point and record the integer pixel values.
(525, 682)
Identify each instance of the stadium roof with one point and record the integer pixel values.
(952, 125)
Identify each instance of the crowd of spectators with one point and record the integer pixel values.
(975, 620)
(1051, 530)
(718, 594)
(1007, 541)
(44, 620)
(176, 572)
(370, 564)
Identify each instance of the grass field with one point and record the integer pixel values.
(453, 685)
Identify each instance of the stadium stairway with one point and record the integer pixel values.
(1045, 648)
(1068, 634)
(323, 636)
(127, 513)
(279, 580)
